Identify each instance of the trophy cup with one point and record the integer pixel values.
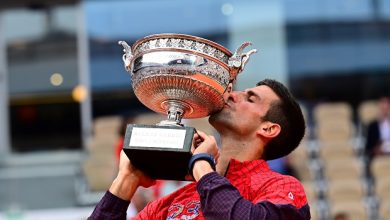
(182, 76)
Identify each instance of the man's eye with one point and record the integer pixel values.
(250, 99)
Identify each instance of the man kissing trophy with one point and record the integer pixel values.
(182, 76)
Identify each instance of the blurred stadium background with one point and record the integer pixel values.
(64, 93)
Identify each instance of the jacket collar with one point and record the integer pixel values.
(240, 170)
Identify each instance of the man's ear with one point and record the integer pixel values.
(269, 129)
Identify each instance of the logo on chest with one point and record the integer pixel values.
(189, 211)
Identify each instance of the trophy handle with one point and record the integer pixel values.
(127, 56)
(239, 59)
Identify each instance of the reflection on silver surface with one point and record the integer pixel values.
(182, 75)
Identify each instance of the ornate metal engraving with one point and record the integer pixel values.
(182, 73)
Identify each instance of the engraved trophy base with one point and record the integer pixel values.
(161, 152)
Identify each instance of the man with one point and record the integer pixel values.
(255, 125)
(378, 132)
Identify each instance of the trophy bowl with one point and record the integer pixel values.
(182, 76)
(177, 73)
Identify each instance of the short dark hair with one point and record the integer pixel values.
(287, 113)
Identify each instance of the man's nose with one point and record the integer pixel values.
(234, 96)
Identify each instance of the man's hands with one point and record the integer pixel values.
(127, 169)
(128, 179)
(203, 143)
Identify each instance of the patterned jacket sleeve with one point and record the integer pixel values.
(110, 207)
(221, 200)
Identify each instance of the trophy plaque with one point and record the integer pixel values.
(182, 76)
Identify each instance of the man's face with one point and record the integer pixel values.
(243, 110)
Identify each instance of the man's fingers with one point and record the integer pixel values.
(202, 134)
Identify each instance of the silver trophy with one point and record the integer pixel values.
(182, 76)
